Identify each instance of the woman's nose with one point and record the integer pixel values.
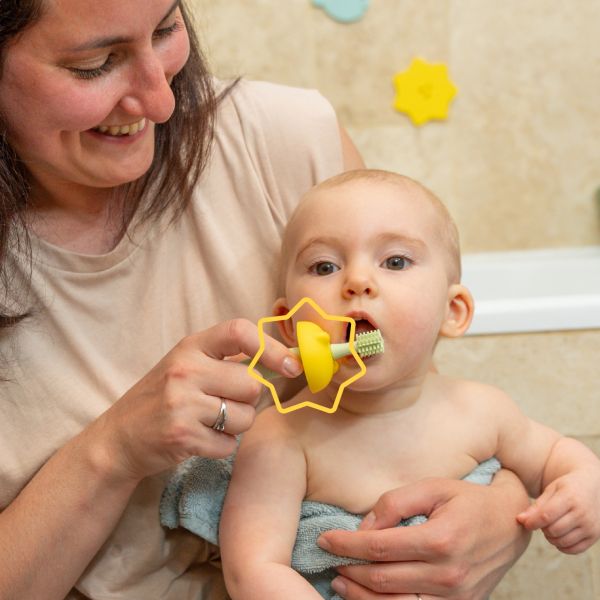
(359, 283)
(149, 94)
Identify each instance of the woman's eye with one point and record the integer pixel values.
(96, 71)
(324, 268)
(396, 263)
(167, 31)
(159, 34)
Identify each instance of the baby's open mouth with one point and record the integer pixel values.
(362, 326)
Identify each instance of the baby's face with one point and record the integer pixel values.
(372, 250)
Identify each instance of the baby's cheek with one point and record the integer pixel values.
(416, 331)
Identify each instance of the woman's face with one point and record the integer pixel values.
(82, 89)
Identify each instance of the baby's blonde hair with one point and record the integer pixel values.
(447, 227)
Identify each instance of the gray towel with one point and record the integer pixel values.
(194, 496)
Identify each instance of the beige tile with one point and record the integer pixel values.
(258, 39)
(592, 442)
(519, 154)
(544, 572)
(552, 376)
(356, 63)
(595, 568)
(418, 153)
(526, 122)
(594, 553)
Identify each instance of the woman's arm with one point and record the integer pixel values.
(261, 513)
(350, 155)
(55, 526)
(469, 542)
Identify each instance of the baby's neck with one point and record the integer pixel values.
(397, 398)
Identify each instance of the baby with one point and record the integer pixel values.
(382, 249)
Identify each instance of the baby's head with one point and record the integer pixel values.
(359, 189)
(381, 248)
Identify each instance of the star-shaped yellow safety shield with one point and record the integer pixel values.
(261, 336)
(423, 91)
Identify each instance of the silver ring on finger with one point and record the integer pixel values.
(418, 596)
(219, 424)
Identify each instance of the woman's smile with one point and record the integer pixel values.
(65, 117)
(120, 130)
(121, 134)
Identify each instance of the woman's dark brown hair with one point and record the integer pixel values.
(182, 147)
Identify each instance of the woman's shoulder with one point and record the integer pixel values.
(244, 93)
(281, 138)
(272, 112)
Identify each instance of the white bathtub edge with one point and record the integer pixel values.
(516, 304)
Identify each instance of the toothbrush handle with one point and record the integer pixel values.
(266, 372)
(340, 350)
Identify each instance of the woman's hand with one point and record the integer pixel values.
(469, 542)
(168, 415)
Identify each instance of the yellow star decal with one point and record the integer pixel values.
(261, 336)
(423, 91)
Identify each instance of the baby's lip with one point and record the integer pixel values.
(361, 315)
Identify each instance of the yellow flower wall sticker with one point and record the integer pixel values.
(261, 336)
(423, 91)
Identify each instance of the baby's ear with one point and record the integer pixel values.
(460, 311)
(286, 326)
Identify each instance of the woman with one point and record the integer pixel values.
(139, 207)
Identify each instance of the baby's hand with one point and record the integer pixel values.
(568, 511)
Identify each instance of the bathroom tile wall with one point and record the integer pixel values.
(554, 379)
(517, 162)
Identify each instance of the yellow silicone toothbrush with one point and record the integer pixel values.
(318, 355)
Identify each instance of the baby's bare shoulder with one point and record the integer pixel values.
(271, 425)
(270, 438)
(469, 395)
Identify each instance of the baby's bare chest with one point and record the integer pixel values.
(352, 467)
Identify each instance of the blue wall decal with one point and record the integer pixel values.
(344, 11)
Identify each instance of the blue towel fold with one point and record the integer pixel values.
(193, 499)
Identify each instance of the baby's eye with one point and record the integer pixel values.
(396, 263)
(324, 268)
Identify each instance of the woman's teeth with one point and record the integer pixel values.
(118, 130)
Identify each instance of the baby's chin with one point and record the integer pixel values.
(369, 382)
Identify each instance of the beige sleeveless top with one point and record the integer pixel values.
(106, 320)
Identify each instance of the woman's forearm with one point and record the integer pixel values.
(471, 539)
(55, 526)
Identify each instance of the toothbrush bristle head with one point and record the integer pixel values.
(369, 343)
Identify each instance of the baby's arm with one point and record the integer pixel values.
(568, 510)
(261, 512)
(561, 472)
